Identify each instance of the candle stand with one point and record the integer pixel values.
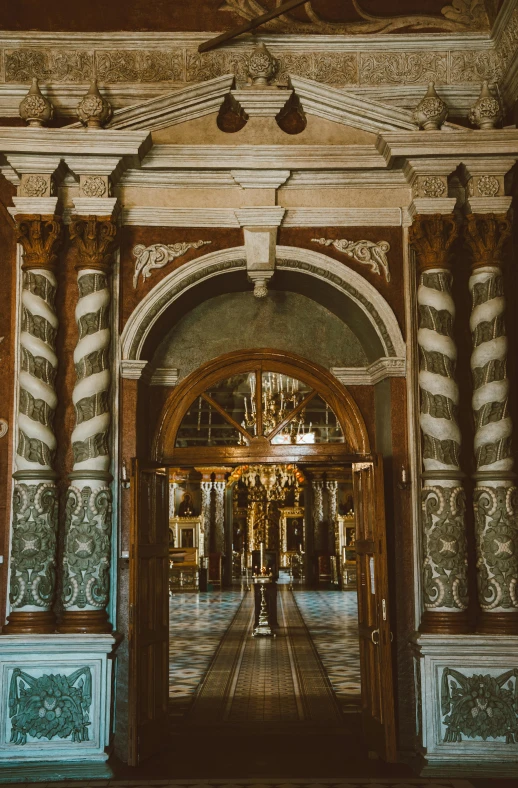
(263, 627)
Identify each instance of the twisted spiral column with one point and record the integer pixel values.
(444, 571)
(495, 497)
(35, 504)
(206, 492)
(332, 508)
(318, 512)
(86, 559)
(219, 515)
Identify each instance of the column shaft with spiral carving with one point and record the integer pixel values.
(35, 504)
(332, 510)
(445, 580)
(219, 516)
(318, 513)
(495, 497)
(86, 560)
(206, 493)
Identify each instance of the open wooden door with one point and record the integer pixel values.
(373, 609)
(149, 613)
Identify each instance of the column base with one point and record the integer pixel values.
(85, 622)
(30, 623)
(444, 623)
(498, 623)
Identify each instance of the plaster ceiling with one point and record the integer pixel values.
(317, 16)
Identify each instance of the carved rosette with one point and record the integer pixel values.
(443, 502)
(495, 499)
(35, 508)
(318, 511)
(86, 559)
(219, 516)
(206, 492)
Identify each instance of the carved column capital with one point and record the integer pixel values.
(95, 239)
(486, 235)
(40, 237)
(431, 236)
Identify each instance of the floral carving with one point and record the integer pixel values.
(21, 65)
(93, 110)
(475, 66)
(35, 186)
(433, 186)
(402, 68)
(86, 564)
(488, 186)
(50, 706)
(431, 112)
(126, 65)
(479, 706)
(261, 65)
(33, 546)
(372, 254)
(158, 255)
(497, 546)
(94, 186)
(35, 108)
(446, 561)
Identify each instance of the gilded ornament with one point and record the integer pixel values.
(93, 110)
(262, 66)
(431, 112)
(486, 111)
(35, 108)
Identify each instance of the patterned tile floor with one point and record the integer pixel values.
(197, 622)
(332, 620)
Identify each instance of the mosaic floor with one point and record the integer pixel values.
(197, 622)
(332, 620)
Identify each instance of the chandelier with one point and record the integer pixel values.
(272, 481)
(281, 395)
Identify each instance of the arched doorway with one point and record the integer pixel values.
(256, 407)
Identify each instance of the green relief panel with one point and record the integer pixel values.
(50, 706)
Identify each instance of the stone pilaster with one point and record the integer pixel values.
(35, 504)
(444, 578)
(206, 492)
(332, 510)
(86, 560)
(495, 497)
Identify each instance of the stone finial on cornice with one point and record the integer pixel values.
(431, 112)
(94, 111)
(486, 111)
(35, 108)
(261, 66)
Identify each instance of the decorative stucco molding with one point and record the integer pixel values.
(147, 258)
(366, 252)
(376, 372)
(377, 311)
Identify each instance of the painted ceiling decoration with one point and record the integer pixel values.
(315, 16)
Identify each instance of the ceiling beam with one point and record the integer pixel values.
(212, 43)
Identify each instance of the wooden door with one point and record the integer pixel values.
(149, 613)
(373, 609)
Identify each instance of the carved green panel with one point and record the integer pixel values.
(480, 706)
(50, 706)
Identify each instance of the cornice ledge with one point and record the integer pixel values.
(180, 217)
(42, 206)
(95, 206)
(465, 144)
(86, 142)
(428, 205)
(488, 204)
(164, 376)
(260, 179)
(260, 216)
(342, 217)
(174, 107)
(381, 369)
(132, 369)
(348, 109)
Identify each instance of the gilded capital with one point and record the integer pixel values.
(486, 235)
(95, 239)
(40, 237)
(431, 236)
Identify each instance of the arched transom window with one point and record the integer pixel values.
(280, 408)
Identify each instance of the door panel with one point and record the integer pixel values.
(149, 613)
(373, 609)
